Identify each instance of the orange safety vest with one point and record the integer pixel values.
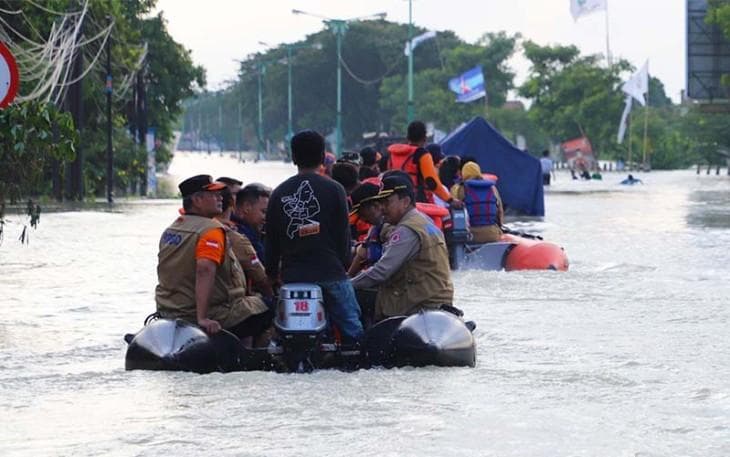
(403, 157)
(359, 227)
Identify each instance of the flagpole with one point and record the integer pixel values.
(646, 124)
(410, 113)
(486, 105)
(631, 124)
(608, 41)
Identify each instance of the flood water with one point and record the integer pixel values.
(627, 354)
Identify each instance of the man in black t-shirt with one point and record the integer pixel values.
(308, 236)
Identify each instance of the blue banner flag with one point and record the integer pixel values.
(469, 86)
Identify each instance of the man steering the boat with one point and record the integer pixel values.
(413, 272)
(308, 235)
(199, 278)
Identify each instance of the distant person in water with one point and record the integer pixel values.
(546, 163)
(630, 181)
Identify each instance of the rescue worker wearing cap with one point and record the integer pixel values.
(199, 278)
(413, 273)
(368, 229)
(415, 160)
(483, 204)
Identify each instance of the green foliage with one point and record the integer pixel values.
(169, 76)
(718, 13)
(573, 95)
(374, 99)
(34, 135)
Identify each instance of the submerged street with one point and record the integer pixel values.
(626, 354)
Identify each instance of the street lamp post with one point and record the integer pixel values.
(289, 121)
(261, 66)
(339, 27)
(411, 109)
(290, 48)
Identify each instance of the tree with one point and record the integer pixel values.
(718, 13)
(34, 135)
(374, 84)
(573, 95)
(169, 74)
(492, 52)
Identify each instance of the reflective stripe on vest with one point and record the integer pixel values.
(481, 202)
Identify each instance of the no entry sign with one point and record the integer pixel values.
(9, 77)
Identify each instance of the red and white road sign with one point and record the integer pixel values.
(9, 77)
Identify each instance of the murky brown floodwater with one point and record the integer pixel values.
(628, 354)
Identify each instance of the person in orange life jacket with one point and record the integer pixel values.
(415, 160)
(244, 250)
(366, 222)
(482, 202)
(438, 157)
(413, 272)
(199, 278)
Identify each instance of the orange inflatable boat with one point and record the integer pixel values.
(515, 251)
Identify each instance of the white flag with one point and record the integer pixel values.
(624, 117)
(638, 84)
(580, 8)
(420, 39)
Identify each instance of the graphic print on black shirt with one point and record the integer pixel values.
(300, 208)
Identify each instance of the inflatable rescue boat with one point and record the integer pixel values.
(304, 342)
(515, 250)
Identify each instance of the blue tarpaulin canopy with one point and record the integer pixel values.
(520, 175)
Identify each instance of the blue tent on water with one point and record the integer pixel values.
(520, 175)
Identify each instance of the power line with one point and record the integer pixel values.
(367, 82)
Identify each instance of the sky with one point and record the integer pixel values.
(220, 31)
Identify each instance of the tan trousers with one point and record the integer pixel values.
(485, 234)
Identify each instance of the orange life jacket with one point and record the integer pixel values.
(359, 228)
(403, 157)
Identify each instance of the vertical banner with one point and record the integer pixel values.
(151, 164)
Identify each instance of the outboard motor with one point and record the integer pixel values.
(300, 323)
(457, 235)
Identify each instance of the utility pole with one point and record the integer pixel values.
(338, 27)
(75, 175)
(290, 48)
(220, 124)
(261, 71)
(109, 147)
(239, 135)
(290, 123)
(199, 132)
(142, 123)
(411, 109)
